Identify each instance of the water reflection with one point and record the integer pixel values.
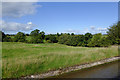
(109, 70)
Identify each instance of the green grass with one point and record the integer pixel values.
(21, 59)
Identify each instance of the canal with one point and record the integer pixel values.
(109, 70)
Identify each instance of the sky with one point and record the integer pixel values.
(61, 17)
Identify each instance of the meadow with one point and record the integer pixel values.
(22, 59)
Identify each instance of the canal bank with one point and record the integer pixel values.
(108, 70)
(74, 68)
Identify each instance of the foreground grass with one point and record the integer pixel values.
(21, 59)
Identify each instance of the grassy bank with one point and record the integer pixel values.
(21, 59)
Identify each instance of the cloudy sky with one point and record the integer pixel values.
(53, 17)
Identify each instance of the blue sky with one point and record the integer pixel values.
(62, 17)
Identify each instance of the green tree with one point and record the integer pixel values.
(42, 34)
(72, 40)
(105, 42)
(35, 33)
(99, 40)
(87, 38)
(63, 38)
(26, 34)
(7, 39)
(58, 34)
(37, 36)
(20, 37)
(80, 40)
(114, 33)
(72, 34)
(2, 36)
(95, 41)
(51, 38)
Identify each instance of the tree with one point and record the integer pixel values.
(114, 33)
(72, 40)
(26, 34)
(37, 36)
(98, 40)
(51, 38)
(7, 39)
(95, 41)
(105, 42)
(72, 34)
(42, 34)
(87, 38)
(80, 40)
(63, 38)
(58, 34)
(2, 36)
(20, 37)
(35, 33)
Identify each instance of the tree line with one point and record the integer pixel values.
(87, 40)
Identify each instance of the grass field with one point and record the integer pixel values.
(21, 59)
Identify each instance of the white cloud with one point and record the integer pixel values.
(94, 29)
(86, 31)
(29, 23)
(72, 31)
(15, 27)
(91, 29)
(101, 29)
(18, 9)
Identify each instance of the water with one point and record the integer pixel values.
(109, 70)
